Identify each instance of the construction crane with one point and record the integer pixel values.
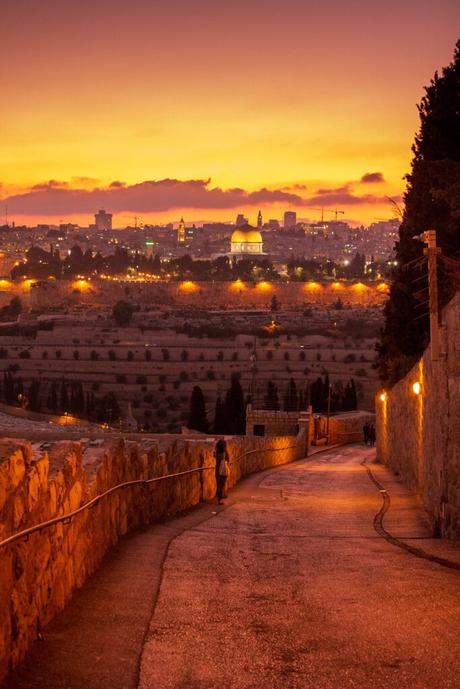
(135, 218)
(327, 210)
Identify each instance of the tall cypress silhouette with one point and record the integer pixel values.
(432, 201)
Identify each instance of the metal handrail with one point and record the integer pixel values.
(67, 518)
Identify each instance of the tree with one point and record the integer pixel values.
(33, 395)
(431, 201)
(271, 398)
(235, 408)
(219, 417)
(122, 312)
(291, 400)
(64, 397)
(274, 304)
(197, 417)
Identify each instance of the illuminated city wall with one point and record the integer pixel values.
(231, 295)
(418, 434)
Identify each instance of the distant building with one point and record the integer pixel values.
(246, 241)
(290, 219)
(273, 224)
(181, 232)
(259, 220)
(103, 220)
(241, 221)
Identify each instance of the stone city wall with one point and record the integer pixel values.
(40, 482)
(418, 435)
(228, 295)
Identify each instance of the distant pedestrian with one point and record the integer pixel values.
(366, 429)
(372, 435)
(222, 469)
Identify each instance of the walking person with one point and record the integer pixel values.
(222, 469)
(366, 429)
(372, 435)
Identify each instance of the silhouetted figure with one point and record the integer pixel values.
(366, 429)
(222, 469)
(372, 435)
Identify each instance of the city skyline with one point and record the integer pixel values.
(205, 111)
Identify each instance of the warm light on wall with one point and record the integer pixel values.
(264, 286)
(383, 287)
(383, 396)
(312, 285)
(188, 286)
(416, 388)
(336, 285)
(359, 287)
(237, 285)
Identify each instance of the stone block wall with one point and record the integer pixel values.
(418, 436)
(41, 481)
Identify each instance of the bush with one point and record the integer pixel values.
(361, 372)
(286, 356)
(349, 359)
(76, 355)
(148, 355)
(123, 313)
(166, 355)
(129, 356)
(220, 356)
(184, 355)
(210, 375)
(25, 354)
(94, 355)
(58, 354)
(302, 355)
(112, 355)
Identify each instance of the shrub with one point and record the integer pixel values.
(166, 355)
(286, 356)
(76, 355)
(349, 359)
(148, 355)
(58, 354)
(94, 355)
(129, 356)
(361, 372)
(210, 375)
(25, 354)
(184, 355)
(112, 355)
(302, 355)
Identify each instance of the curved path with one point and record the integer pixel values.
(286, 586)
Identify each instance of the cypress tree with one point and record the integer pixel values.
(271, 398)
(197, 418)
(291, 401)
(235, 408)
(220, 425)
(432, 201)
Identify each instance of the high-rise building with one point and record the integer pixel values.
(181, 231)
(290, 219)
(103, 220)
(259, 220)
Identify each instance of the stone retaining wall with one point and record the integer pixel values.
(418, 436)
(41, 481)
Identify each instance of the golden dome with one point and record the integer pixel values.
(246, 237)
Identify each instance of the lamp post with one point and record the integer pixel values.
(432, 251)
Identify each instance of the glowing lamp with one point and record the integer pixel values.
(416, 388)
(383, 396)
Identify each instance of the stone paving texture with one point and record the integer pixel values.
(286, 586)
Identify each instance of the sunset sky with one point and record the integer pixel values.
(208, 108)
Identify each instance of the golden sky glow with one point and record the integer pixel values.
(254, 95)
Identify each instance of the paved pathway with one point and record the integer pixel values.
(287, 586)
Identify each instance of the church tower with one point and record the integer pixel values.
(259, 220)
(181, 231)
